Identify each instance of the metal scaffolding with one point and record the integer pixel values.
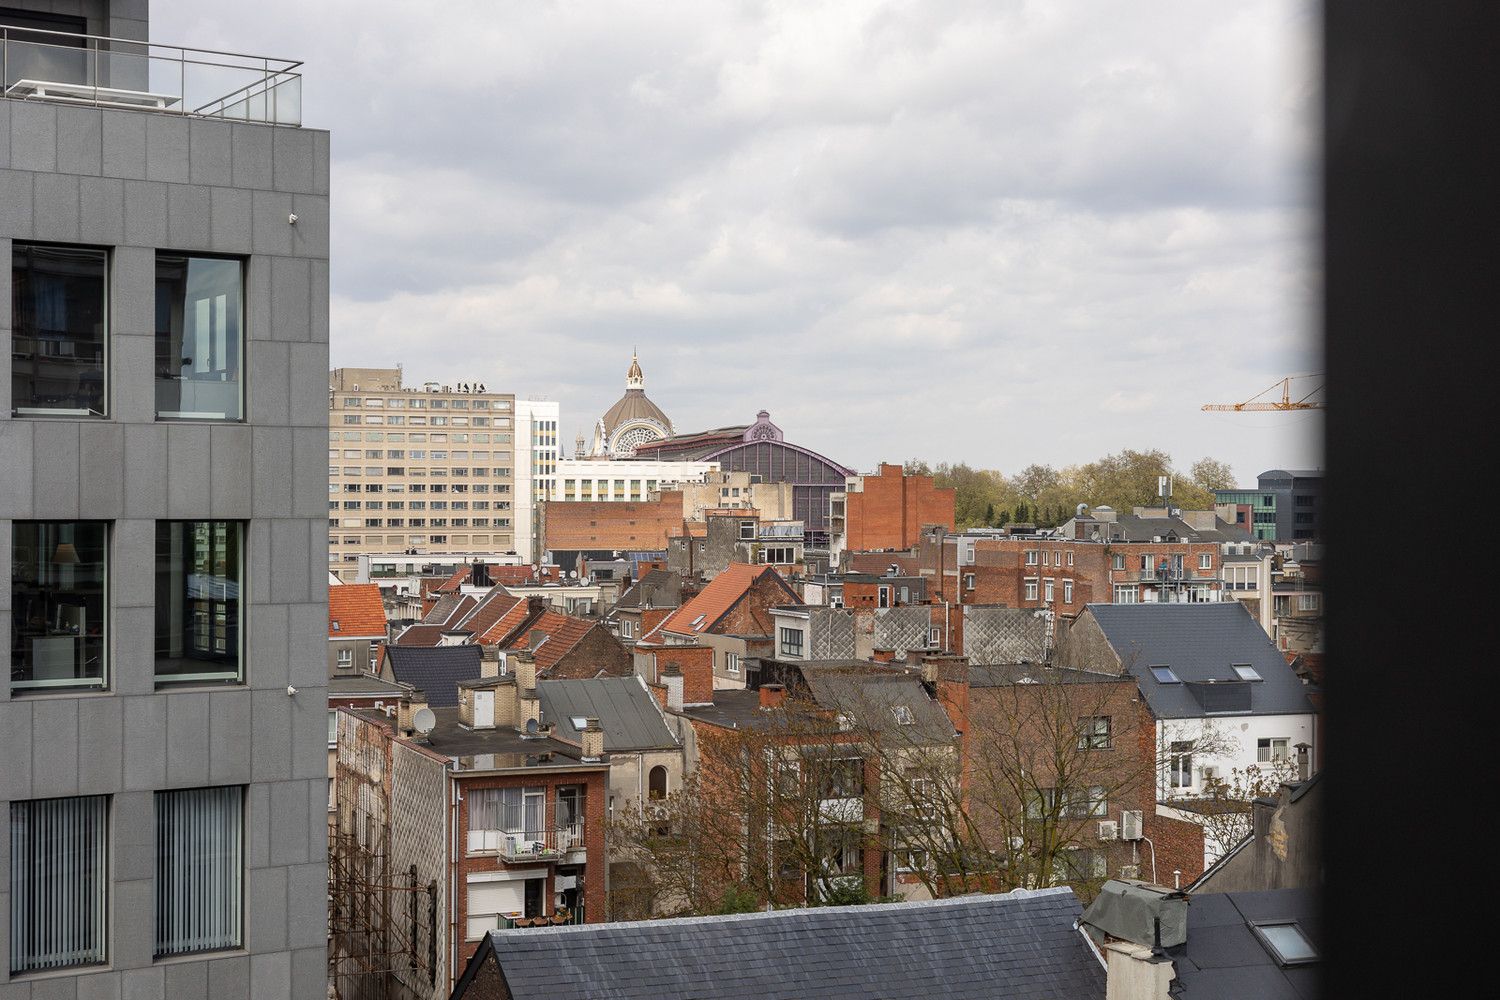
(382, 925)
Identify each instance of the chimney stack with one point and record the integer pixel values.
(489, 661)
(410, 702)
(883, 655)
(593, 741)
(671, 679)
(1304, 761)
(772, 696)
(525, 664)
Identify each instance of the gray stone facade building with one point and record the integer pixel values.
(163, 418)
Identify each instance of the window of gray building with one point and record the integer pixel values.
(58, 618)
(200, 837)
(59, 875)
(59, 330)
(199, 337)
(199, 572)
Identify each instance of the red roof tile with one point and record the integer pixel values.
(493, 608)
(355, 610)
(715, 599)
(563, 633)
(451, 585)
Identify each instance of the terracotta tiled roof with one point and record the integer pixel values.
(451, 585)
(715, 599)
(563, 633)
(420, 635)
(517, 576)
(355, 610)
(492, 609)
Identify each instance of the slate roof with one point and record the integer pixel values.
(361, 686)
(627, 712)
(659, 588)
(1223, 959)
(450, 609)
(721, 594)
(434, 670)
(1200, 642)
(1017, 946)
(356, 611)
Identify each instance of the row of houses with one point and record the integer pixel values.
(624, 778)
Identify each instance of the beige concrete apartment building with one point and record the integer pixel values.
(427, 467)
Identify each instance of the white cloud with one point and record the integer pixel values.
(1001, 232)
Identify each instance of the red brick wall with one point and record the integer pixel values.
(891, 510)
(595, 792)
(604, 524)
(751, 615)
(697, 666)
(598, 650)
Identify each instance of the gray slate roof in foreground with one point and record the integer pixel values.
(1200, 642)
(1012, 946)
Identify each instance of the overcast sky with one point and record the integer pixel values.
(995, 232)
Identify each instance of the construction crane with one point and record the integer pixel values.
(1286, 402)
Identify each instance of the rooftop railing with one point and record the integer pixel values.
(68, 68)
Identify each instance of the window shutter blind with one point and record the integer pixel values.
(59, 864)
(199, 858)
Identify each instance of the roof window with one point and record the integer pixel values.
(1286, 942)
(1246, 672)
(1164, 675)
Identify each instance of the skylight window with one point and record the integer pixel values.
(578, 721)
(1164, 675)
(903, 715)
(1286, 942)
(1246, 672)
(698, 622)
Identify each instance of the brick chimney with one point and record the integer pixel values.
(696, 664)
(884, 655)
(525, 667)
(412, 701)
(671, 679)
(772, 696)
(593, 741)
(489, 661)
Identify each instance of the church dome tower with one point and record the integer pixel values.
(631, 422)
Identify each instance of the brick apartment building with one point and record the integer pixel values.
(1017, 728)
(886, 510)
(482, 821)
(732, 615)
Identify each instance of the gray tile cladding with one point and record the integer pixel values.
(137, 183)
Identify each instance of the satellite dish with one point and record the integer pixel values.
(530, 727)
(423, 720)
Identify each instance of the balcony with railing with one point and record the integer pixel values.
(96, 70)
(527, 845)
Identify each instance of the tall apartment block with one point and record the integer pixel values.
(164, 325)
(536, 469)
(430, 469)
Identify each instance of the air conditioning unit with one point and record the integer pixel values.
(658, 812)
(1108, 830)
(1130, 871)
(1132, 822)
